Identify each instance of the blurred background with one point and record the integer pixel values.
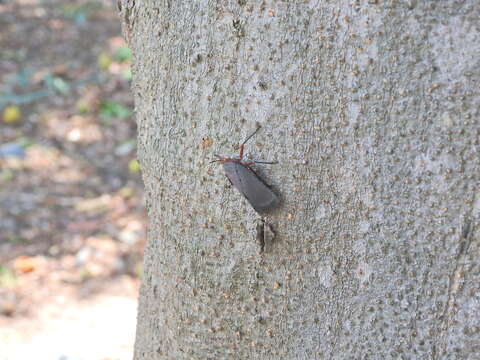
(72, 220)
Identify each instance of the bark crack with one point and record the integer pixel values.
(456, 276)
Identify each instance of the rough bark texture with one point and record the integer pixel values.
(371, 109)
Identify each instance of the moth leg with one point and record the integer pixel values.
(248, 138)
(248, 163)
(230, 181)
(261, 235)
(265, 162)
(265, 235)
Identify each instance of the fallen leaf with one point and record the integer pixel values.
(11, 114)
(24, 264)
(134, 166)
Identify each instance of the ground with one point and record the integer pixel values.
(72, 220)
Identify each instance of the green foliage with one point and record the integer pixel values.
(127, 74)
(7, 277)
(110, 110)
(57, 84)
(80, 13)
(24, 141)
(123, 54)
(6, 175)
(134, 166)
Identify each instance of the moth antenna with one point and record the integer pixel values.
(248, 138)
(266, 162)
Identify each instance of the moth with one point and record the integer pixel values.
(241, 175)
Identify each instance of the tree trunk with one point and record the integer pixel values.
(371, 109)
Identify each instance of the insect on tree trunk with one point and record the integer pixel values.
(371, 110)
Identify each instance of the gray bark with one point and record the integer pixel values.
(371, 109)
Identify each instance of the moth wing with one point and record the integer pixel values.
(258, 194)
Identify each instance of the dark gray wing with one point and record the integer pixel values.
(258, 194)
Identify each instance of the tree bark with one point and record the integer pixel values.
(371, 109)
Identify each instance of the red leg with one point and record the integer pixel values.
(248, 164)
(241, 152)
(248, 138)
